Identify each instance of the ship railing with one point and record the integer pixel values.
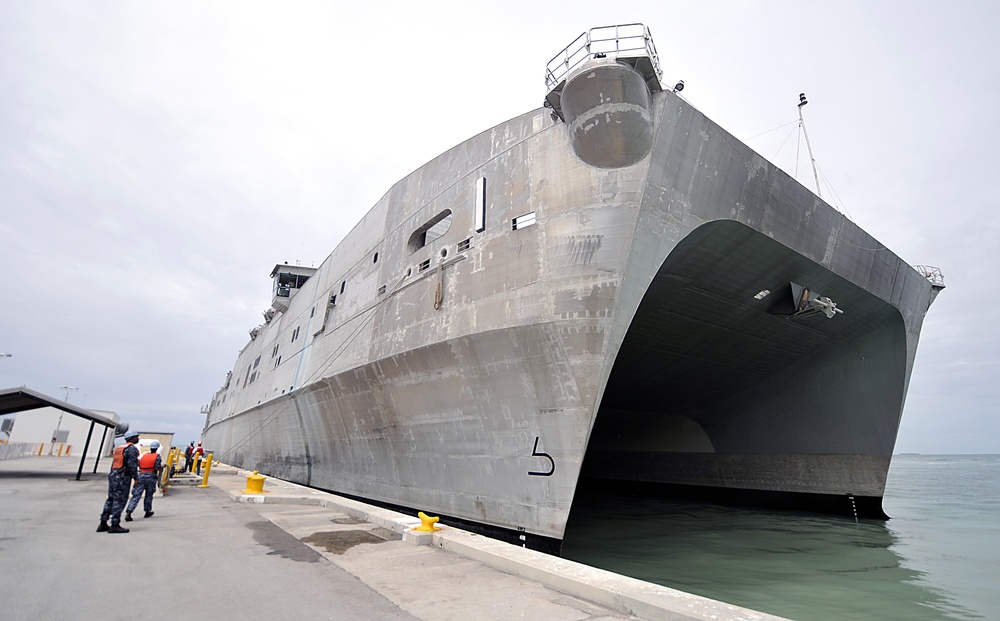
(621, 41)
(931, 273)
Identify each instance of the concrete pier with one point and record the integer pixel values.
(219, 553)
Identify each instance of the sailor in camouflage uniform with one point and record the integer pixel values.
(149, 472)
(124, 470)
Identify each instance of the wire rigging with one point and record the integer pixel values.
(878, 247)
(771, 130)
(782, 146)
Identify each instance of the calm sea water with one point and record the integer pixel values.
(938, 558)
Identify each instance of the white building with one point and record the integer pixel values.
(53, 426)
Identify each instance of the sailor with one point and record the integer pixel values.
(124, 469)
(149, 473)
(188, 456)
(199, 454)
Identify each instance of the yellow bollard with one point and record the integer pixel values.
(208, 468)
(164, 481)
(255, 484)
(426, 523)
(40, 448)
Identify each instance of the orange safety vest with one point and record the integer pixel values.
(147, 463)
(119, 459)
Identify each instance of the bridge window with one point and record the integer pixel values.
(284, 283)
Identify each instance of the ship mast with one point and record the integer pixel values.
(802, 124)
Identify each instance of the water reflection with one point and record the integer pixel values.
(800, 566)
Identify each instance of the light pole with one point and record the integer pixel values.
(59, 424)
(67, 389)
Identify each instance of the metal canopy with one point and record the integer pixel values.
(21, 399)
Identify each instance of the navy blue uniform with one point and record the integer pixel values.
(149, 471)
(118, 483)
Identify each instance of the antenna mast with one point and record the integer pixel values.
(802, 124)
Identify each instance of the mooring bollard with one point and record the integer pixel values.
(164, 480)
(426, 523)
(255, 484)
(208, 468)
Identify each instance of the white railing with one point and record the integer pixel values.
(932, 274)
(15, 450)
(628, 40)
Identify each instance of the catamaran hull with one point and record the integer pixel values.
(608, 319)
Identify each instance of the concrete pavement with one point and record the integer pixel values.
(291, 552)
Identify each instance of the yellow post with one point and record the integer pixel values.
(164, 478)
(41, 447)
(196, 462)
(208, 468)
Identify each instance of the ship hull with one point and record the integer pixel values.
(605, 321)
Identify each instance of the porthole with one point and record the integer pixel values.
(444, 252)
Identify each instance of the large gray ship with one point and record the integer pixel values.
(611, 286)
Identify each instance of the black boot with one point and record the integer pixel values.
(148, 514)
(102, 527)
(128, 516)
(117, 528)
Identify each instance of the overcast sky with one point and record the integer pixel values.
(158, 158)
